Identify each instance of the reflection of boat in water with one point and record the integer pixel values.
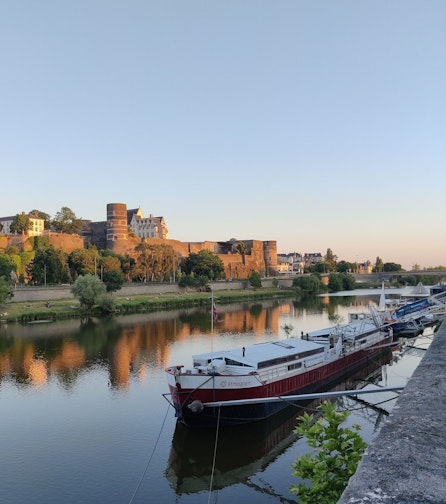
(190, 466)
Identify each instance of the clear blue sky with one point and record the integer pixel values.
(318, 124)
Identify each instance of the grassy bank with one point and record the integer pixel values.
(35, 311)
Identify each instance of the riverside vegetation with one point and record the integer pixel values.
(34, 311)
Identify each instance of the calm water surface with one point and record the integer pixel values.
(83, 418)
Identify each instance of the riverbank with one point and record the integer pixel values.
(50, 307)
(405, 463)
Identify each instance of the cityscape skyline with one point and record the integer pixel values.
(317, 125)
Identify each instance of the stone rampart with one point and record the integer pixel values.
(406, 462)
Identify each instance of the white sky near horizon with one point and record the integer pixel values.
(318, 124)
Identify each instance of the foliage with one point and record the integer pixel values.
(335, 282)
(255, 280)
(84, 261)
(107, 304)
(341, 281)
(113, 279)
(7, 265)
(330, 260)
(288, 329)
(345, 267)
(389, 266)
(49, 266)
(88, 289)
(242, 249)
(40, 242)
(198, 282)
(335, 459)
(154, 262)
(6, 291)
(379, 265)
(205, 263)
(66, 221)
(20, 224)
(311, 284)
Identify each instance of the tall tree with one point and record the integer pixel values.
(84, 261)
(20, 224)
(205, 263)
(331, 260)
(66, 221)
(50, 266)
(379, 265)
(88, 289)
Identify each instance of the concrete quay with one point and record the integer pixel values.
(406, 462)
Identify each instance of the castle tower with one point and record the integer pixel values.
(270, 255)
(117, 227)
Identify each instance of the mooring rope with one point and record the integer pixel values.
(150, 458)
(215, 455)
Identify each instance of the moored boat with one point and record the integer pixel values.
(232, 387)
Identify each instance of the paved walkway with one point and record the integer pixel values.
(406, 462)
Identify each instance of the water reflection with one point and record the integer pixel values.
(32, 354)
(245, 450)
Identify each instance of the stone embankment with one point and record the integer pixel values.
(50, 293)
(406, 462)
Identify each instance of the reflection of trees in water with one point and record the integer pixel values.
(256, 310)
(309, 304)
(124, 345)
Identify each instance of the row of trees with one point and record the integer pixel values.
(45, 264)
(331, 264)
(65, 221)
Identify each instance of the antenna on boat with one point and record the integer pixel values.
(214, 318)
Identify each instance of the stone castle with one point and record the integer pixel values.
(124, 229)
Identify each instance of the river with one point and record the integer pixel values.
(83, 418)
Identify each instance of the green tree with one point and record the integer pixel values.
(205, 263)
(254, 280)
(66, 221)
(88, 289)
(49, 266)
(330, 259)
(379, 265)
(389, 266)
(335, 459)
(7, 265)
(345, 267)
(84, 261)
(310, 284)
(113, 279)
(6, 291)
(242, 249)
(20, 224)
(335, 282)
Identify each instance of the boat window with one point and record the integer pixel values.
(296, 365)
(289, 358)
(231, 362)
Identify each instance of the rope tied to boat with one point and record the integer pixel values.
(151, 456)
(215, 455)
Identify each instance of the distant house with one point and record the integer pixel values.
(310, 259)
(365, 268)
(290, 263)
(36, 228)
(147, 227)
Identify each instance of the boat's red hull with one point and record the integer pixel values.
(306, 382)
